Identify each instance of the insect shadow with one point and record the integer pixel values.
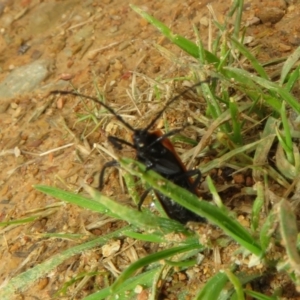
(156, 152)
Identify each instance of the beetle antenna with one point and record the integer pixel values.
(172, 100)
(99, 102)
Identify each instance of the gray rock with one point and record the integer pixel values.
(25, 79)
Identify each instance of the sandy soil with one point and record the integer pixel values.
(101, 44)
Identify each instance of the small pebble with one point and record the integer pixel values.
(294, 40)
(204, 21)
(43, 283)
(60, 103)
(270, 14)
(143, 22)
(124, 45)
(66, 76)
(239, 178)
(283, 47)
(114, 29)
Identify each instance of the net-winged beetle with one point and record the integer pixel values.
(154, 149)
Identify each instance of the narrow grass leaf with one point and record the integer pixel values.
(218, 162)
(244, 82)
(131, 187)
(288, 65)
(213, 104)
(296, 155)
(289, 232)
(147, 237)
(149, 259)
(287, 134)
(214, 193)
(293, 78)
(238, 8)
(18, 222)
(201, 50)
(267, 230)
(206, 138)
(66, 236)
(213, 288)
(282, 141)
(259, 296)
(273, 173)
(137, 218)
(76, 199)
(145, 279)
(236, 284)
(283, 165)
(23, 281)
(257, 206)
(263, 149)
(270, 86)
(191, 202)
(183, 43)
(104, 205)
(254, 62)
(154, 292)
(242, 279)
(236, 137)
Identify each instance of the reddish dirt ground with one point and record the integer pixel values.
(101, 44)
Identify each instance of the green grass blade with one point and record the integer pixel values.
(131, 187)
(263, 149)
(254, 62)
(269, 85)
(215, 194)
(24, 280)
(289, 232)
(236, 123)
(191, 202)
(201, 51)
(140, 219)
(145, 279)
(238, 7)
(293, 78)
(76, 199)
(257, 206)
(18, 222)
(268, 229)
(218, 162)
(283, 165)
(183, 43)
(287, 135)
(288, 65)
(236, 284)
(247, 85)
(149, 259)
(147, 237)
(213, 104)
(213, 287)
(260, 296)
(105, 205)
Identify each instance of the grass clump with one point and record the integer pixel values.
(249, 124)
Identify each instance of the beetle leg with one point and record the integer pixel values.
(164, 136)
(117, 142)
(143, 197)
(197, 179)
(188, 174)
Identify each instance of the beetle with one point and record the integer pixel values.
(172, 168)
(156, 152)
